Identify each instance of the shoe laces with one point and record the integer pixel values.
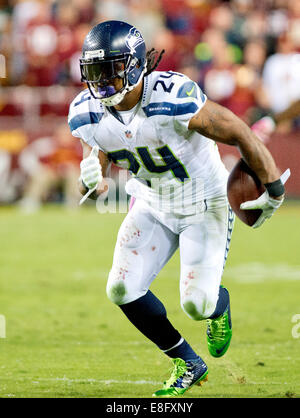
(178, 371)
(216, 327)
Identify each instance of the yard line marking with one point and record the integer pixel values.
(111, 343)
(100, 381)
(106, 382)
(261, 272)
(136, 382)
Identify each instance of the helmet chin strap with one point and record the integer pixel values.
(117, 98)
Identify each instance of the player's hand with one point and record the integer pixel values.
(266, 203)
(90, 169)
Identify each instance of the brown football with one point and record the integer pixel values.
(243, 185)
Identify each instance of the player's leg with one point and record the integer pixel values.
(203, 249)
(143, 247)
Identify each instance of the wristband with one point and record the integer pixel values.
(275, 189)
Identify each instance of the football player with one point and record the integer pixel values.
(162, 128)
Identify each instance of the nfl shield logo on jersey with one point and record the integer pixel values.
(128, 134)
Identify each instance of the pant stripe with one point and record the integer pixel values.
(229, 233)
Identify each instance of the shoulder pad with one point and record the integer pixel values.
(171, 94)
(84, 113)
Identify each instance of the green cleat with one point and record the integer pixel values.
(184, 376)
(219, 333)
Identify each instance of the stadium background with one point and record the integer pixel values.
(238, 51)
(60, 326)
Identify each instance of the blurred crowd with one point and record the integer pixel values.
(239, 51)
(243, 53)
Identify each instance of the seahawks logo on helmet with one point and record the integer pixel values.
(133, 40)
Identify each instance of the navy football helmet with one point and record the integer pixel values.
(113, 60)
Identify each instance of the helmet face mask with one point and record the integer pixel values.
(111, 73)
(105, 79)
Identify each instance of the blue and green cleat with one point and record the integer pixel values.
(219, 333)
(185, 374)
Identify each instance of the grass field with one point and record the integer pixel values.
(64, 338)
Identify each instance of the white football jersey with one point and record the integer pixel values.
(171, 165)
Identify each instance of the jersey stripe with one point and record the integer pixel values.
(84, 119)
(170, 109)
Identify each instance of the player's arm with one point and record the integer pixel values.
(93, 171)
(218, 123)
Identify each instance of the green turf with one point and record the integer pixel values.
(64, 338)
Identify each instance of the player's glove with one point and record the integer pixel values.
(267, 204)
(90, 169)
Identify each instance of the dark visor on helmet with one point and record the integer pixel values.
(101, 72)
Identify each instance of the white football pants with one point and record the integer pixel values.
(148, 238)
